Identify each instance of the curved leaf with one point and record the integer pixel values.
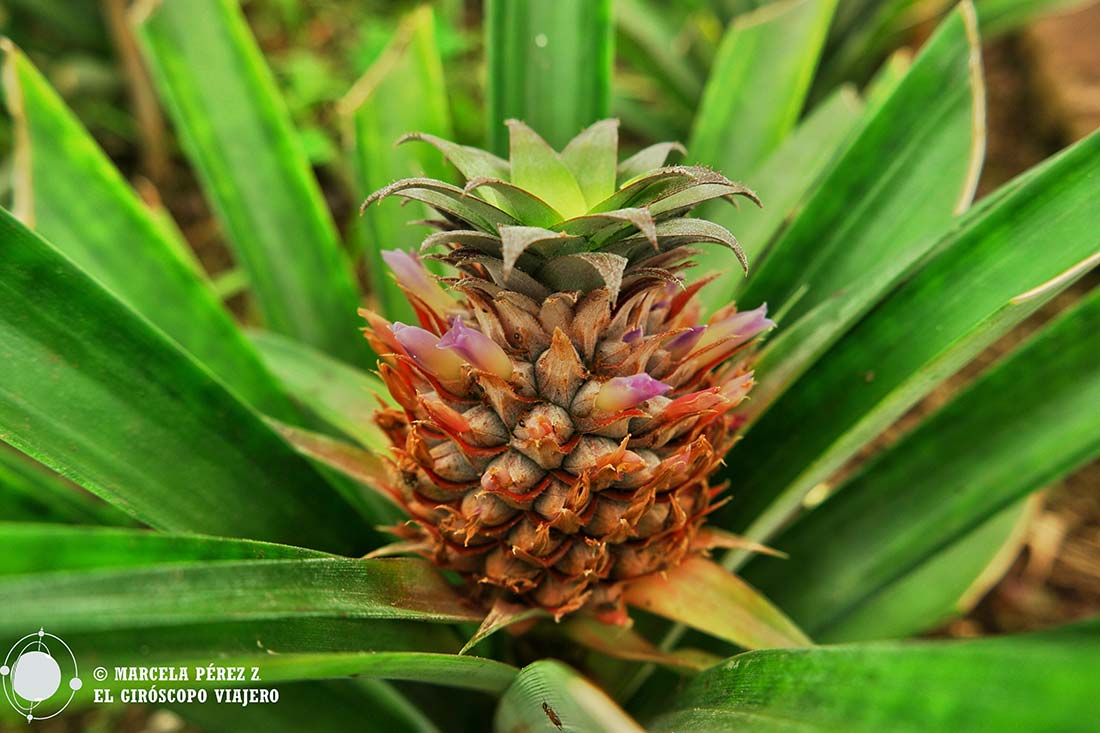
(707, 597)
(1036, 682)
(894, 190)
(758, 83)
(94, 391)
(548, 696)
(36, 548)
(341, 395)
(238, 134)
(928, 491)
(1027, 245)
(783, 181)
(83, 206)
(30, 492)
(215, 592)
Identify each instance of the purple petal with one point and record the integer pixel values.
(476, 348)
(411, 275)
(682, 344)
(422, 347)
(740, 326)
(631, 337)
(622, 393)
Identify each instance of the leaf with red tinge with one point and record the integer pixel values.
(625, 643)
(707, 597)
(347, 459)
(501, 616)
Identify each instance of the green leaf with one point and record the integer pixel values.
(889, 75)
(549, 697)
(95, 392)
(246, 590)
(403, 91)
(758, 83)
(322, 706)
(1031, 419)
(449, 670)
(592, 158)
(521, 203)
(536, 167)
(71, 193)
(549, 64)
(647, 160)
(978, 282)
(707, 597)
(290, 635)
(43, 548)
(238, 134)
(341, 395)
(1037, 682)
(783, 182)
(944, 585)
(366, 490)
(30, 492)
(912, 166)
(644, 31)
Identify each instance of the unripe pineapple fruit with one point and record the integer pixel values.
(561, 406)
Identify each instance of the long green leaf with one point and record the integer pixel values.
(74, 196)
(942, 587)
(39, 548)
(238, 134)
(1039, 682)
(29, 492)
(1029, 421)
(147, 645)
(449, 670)
(1002, 262)
(246, 590)
(911, 168)
(549, 697)
(402, 92)
(341, 395)
(343, 705)
(758, 83)
(783, 182)
(549, 65)
(94, 391)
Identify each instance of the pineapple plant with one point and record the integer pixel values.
(583, 472)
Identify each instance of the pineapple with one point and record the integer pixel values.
(562, 407)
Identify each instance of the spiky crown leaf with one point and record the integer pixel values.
(544, 221)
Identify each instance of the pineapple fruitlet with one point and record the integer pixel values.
(563, 401)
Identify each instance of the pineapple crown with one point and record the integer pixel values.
(544, 221)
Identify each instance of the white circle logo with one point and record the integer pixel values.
(32, 675)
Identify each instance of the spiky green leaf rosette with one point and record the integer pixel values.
(562, 408)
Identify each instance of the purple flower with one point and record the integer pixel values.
(411, 275)
(622, 393)
(476, 348)
(631, 337)
(422, 346)
(740, 326)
